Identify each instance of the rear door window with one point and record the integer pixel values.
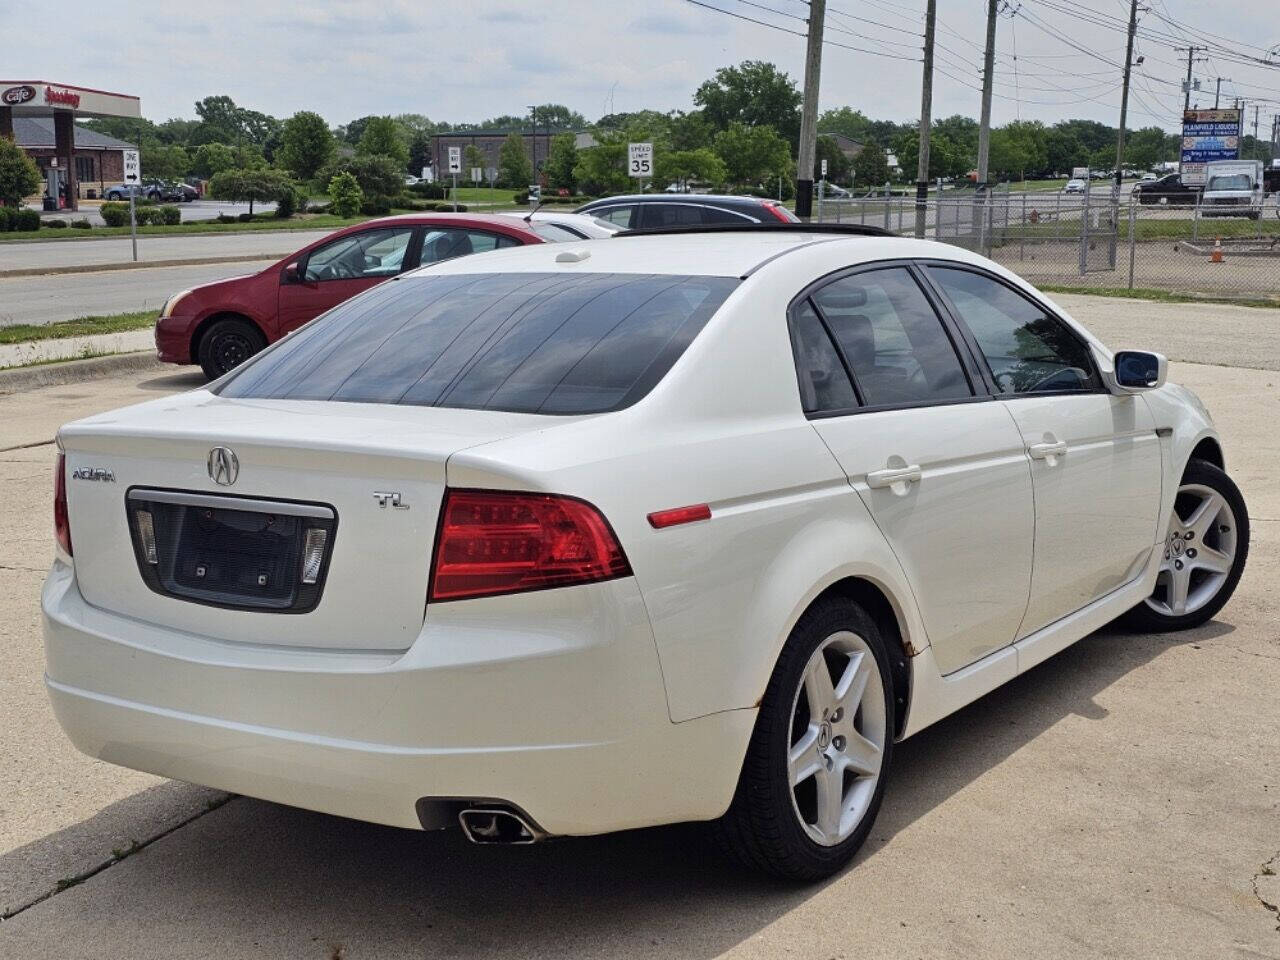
(525, 342)
(448, 242)
(892, 339)
(620, 215)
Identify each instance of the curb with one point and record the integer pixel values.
(74, 371)
(139, 265)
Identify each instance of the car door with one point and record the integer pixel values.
(687, 214)
(1095, 458)
(342, 267)
(938, 463)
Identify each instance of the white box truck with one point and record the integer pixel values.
(1232, 188)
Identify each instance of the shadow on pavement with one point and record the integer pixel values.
(254, 878)
(183, 378)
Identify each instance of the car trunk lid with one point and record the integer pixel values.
(231, 489)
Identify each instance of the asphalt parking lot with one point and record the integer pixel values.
(1123, 799)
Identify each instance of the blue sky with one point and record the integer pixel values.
(348, 58)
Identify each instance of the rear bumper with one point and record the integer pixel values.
(173, 340)
(564, 717)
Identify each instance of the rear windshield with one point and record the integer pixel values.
(523, 342)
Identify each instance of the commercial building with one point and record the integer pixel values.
(98, 159)
(57, 105)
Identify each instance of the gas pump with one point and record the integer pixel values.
(52, 185)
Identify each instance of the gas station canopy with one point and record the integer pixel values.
(40, 98)
(62, 101)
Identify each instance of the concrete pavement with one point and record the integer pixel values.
(1120, 800)
(68, 296)
(106, 251)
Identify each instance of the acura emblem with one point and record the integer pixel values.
(224, 466)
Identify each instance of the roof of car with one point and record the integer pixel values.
(505, 224)
(722, 254)
(679, 198)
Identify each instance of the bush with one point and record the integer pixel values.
(224, 218)
(376, 206)
(25, 219)
(81, 224)
(345, 195)
(291, 201)
(377, 176)
(245, 218)
(53, 223)
(7, 215)
(428, 191)
(115, 214)
(170, 215)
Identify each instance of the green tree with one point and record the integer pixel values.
(306, 144)
(946, 158)
(1145, 148)
(380, 179)
(561, 163)
(963, 132)
(19, 175)
(682, 166)
(689, 131)
(472, 157)
(838, 165)
(220, 119)
(603, 168)
(853, 124)
(514, 168)
(871, 166)
(752, 154)
(384, 137)
(253, 185)
(345, 195)
(164, 161)
(211, 159)
(1063, 150)
(754, 93)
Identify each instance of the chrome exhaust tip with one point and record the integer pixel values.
(497, 825)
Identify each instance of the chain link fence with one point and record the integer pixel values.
(1093, 240)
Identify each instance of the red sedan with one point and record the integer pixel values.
(220, 325)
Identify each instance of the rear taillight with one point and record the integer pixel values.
(779, 212)
(493, 541)
(61, 523)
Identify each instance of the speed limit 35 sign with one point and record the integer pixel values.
(640, 160)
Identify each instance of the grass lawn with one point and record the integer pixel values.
(80, 327)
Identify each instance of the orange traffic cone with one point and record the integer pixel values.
(1216, 256)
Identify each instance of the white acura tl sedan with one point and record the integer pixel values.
(574, 538)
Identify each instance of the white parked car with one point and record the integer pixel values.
(1075, 185)
(567, 539)
(556, 227)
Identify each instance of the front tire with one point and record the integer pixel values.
(1205, 550)
(227, 344)
(815, 770)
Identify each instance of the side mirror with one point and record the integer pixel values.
(292, 274)
(1137, 370)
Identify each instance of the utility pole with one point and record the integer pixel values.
(926, 120)
(1217, 93)
(809, 111)
(1186, 87)
(1124, 97)
(988, 76)
(1255, 130)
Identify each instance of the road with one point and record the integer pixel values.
(48, 299)
(1120, 800)
(51, 254)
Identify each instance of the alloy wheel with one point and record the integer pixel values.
(1199, 552)
(839, 724)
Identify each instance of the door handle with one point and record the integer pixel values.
(887, 478)
(1043, 451)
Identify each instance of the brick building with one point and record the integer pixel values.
(99, 159)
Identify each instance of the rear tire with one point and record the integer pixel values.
(227, 344)
(812, 782)
(1205, 549)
